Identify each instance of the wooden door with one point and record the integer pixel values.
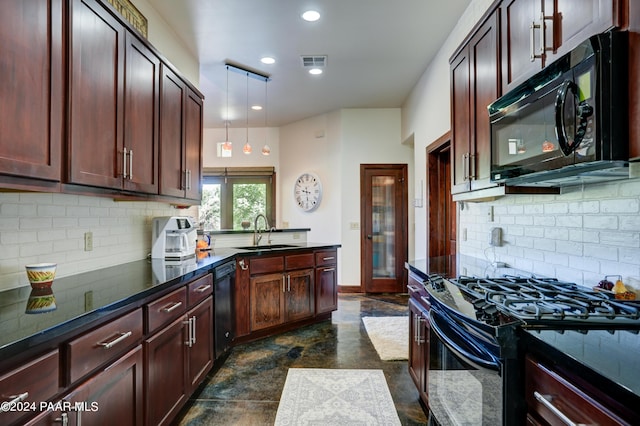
(441, 216)
(461, 121)
(517, 47)
(172, 93)
(142, 103)
(267, 300)
(299, 298)
(193, 146)
(165, 373)
(383, 209)
(327, 291)
(96, 96)
(485, 82)
(31, 90)
(201, 349)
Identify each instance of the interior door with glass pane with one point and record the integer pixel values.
(384, 220)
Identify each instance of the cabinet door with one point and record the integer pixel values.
(165, 373)
(96, 95)
(142, 92)
(326, 289)
(300, 300)
(172, 94)
(418, 349)
(201, 344)
(485, 81)
(112, 397)
(267, 300)
(574, 22)
(31, 99)
(193, 145)
(517, 18)
(461, 122)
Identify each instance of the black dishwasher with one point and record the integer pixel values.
(224, 280)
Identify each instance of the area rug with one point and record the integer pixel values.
(315, 396)
(389, 335)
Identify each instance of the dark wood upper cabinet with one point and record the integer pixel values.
(180, 138)
(31, 88)
(537, 32)
(141, 116)
(475, 83)
(96, 96)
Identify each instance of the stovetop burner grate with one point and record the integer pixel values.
(533, 299)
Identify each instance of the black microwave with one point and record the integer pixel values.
(568, 124)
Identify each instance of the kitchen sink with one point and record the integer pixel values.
(268, 247)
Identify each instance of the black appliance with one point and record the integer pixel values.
(474, 372)
(223, 286)
(568, 124)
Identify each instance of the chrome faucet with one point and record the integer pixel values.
(256, 232)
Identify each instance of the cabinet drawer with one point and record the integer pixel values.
(265, 265)
(299, 261)
(326, 257)
(33, 382)
(199, 289)
(103, 344)
(166, 309)
(550, 396)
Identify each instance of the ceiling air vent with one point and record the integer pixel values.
(314, 61)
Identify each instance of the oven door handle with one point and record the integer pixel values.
(486, 360)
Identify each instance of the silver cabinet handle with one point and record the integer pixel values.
(63, 419)
(124, 162)
(546, 401)
(189, 324)
(472, 166)
(14, 400)
(130, 164)
(465, 166)
(420, 336)
(193, 330)
(289, 283)
(109, 345)
(328, 258)
(203, 288)
(283, 287)
(171, 307)
(329, 269)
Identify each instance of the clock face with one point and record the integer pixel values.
(307, 192)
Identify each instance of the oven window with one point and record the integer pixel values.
(459, 393)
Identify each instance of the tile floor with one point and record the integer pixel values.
(246, 389)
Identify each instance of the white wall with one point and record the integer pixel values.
(426, 112)
(333, 146)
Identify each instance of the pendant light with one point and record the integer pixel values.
(247, 146)
(266, 150)
(227, 146)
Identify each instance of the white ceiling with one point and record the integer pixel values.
(377, 50)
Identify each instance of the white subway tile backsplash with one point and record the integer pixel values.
(579, 235)
(40, 227)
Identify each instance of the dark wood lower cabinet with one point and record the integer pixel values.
(165, 372)
(114, 396)
(201, 351)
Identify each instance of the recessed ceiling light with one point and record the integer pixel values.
(311, 15)
(268, 60)
(315, 71)
(256, 107)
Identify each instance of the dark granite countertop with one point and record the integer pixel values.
(87, 297)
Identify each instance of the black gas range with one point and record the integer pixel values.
(476, 324)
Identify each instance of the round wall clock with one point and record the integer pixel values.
(307, 192)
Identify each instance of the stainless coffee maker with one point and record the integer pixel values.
(173, 238)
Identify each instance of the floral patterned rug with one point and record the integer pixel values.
(315, 396)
